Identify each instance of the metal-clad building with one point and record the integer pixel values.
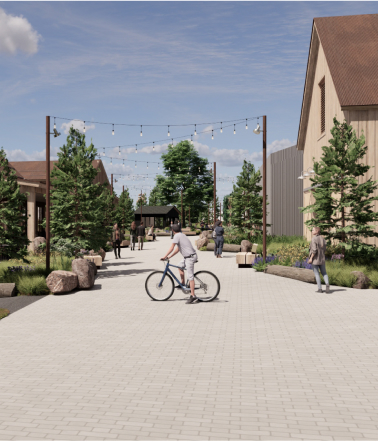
(285, 192)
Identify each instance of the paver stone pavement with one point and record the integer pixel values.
(270, 359)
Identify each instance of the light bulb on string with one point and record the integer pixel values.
(113, 130)
(54, 123)
(153, 146)
(135, 164)
(103, 154)
(172, 142)
(195, 129)
(119, 150)
(111, 160)
(221, 128)
(147, 164)
(141, 133)
(191, 137)
(212, 134)
(246, 123)
(123, 164)
(84, 127)
(234, 130)
(136, 148)
(169, 133)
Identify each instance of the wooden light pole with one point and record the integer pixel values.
(48, 194)
(215, 192)
(264, 188)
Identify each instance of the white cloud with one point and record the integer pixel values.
(21, 155)
(76, 124)
(17, 34)
(279, 145)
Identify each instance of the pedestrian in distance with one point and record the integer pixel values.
(317, 258)
(116, 238)
(171, 229)
(133, 235)
(184, 246)
(179, 225)
(219, 240)
(151, 233)
(141, 231)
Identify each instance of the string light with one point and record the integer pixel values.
(136, 148)
(113, 130)
(147, 164)
(169, 134)
(195, 129)
(135, 164)
(103, 154)
(221, 128)
(191, 137)
(234, 130)
(172, 142)
(246, 123)
(153, 146)
(212, 134)
(119, 150)
(84, 127)
(123, 164)
(54, 123)
(141, 133)
(111, 160)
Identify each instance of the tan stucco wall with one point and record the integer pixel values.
(366, 120)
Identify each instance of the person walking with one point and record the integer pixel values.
(219, 240)
(317, 259)
(116, 238)
(171, 229)
(141, 231)
(151, 233)
(133, 235)
(179, 225)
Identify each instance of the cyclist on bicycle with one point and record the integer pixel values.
(184, 246)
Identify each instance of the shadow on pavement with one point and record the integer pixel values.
(117, 273)
(18, 302)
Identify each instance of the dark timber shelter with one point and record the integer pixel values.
(157, 216)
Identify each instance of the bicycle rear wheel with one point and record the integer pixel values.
(162, 292)
(206, 286)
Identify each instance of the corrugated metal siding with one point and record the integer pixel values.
(285, 192)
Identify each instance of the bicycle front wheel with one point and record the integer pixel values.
(206, 286)
(157, 291)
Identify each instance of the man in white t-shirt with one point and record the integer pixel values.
(184, 246)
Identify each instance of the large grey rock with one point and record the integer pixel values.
(37, 242)
(61, 281)
(92, 264)
(362, 282)
(205, 234)
(202, 242)
(246, 246)
(7, 289)
(84, 272)
(102, 253)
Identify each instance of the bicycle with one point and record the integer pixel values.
(160, 286)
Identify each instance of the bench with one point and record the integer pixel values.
(149, 238)
(94, 258)
(125, 243)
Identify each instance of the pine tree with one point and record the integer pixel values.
(81, 210)
(343, 206)
(12, 212)
(246, 198)
(125, 211)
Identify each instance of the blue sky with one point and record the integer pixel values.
(156, 63)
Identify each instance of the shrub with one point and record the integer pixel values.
(204, 248)
(3, 313)
(374, 279)
(293, 253)
(32, 285)
(198, 232)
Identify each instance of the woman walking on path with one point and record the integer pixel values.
(317, 258)
(171, 229)
(151, 233)
(116, 238)
(219, 240)
(133, 235)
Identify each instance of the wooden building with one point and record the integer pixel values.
(31, 176)
(157, 216)
(342, 82)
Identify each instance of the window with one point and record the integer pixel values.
(322, 106)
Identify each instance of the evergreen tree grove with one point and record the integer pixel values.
(125, 210)
(12, 212)
(344, 208)
(81, 210)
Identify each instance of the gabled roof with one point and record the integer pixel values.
(156, 210)
(350, 45)
(36, 170)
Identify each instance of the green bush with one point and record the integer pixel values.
(198, 232)
(32, 285)
(289, 254)
(3, 313)
(203, 249)
(374, 279)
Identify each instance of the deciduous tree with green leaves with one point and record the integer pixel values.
(81, 210)
(125, 210)
(344, 204)
(13, 216)
(142, 200)
(184, 168)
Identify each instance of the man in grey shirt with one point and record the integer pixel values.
(184, 246)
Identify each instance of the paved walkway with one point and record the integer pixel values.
(271, 359)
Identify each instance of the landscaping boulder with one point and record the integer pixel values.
(246, 246)
(92, 264)
(363, 282)
(202, 242)
(7, 289)
(204, 234)
(85, 273)
(102, 253)
(37, 242)
(61, 281)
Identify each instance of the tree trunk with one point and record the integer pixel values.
(226, 247)
(304, 275)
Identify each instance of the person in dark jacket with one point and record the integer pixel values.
(219, 240)
(141, 231)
